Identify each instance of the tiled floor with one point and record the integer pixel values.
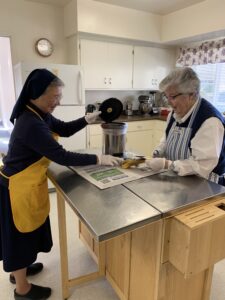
(81, 263)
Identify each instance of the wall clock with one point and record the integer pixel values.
(44, 47)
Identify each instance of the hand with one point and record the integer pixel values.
(92, 117)
(155, 153)
(156, 164)
(109, 160)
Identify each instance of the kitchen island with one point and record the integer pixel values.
(156, 238)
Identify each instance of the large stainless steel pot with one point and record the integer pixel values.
(114, 138)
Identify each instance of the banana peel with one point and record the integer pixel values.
(132, 162)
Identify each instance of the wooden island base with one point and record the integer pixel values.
(171, 258)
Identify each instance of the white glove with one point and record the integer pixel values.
(92, 117)
(156, 164)
(109, 160)
(156, 153)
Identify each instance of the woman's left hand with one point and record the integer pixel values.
(156, 164)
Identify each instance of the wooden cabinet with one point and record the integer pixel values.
(151, 65)
(94, 136)
(159, 128)
(120, 66)
(106, 65)
(197, 239)
(142, 136)
(87, 238)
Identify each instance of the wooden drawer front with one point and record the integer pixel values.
(95, 141)
(159, 125)
(86, 236)
(197, 238)
(95, 129)
(140, 125)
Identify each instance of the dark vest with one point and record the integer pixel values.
(205, 111)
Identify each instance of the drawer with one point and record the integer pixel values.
(159, 125)
(95, 129)
(85, 235)
(197, 238)
(140, 125)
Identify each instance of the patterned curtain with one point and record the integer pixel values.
(207, 53)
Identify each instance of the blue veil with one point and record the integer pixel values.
(35, 85)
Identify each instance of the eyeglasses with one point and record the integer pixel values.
(173, 97)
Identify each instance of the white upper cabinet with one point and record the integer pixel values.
(106, 65)
(151, 65)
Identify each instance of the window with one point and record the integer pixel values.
(7, 93)
(212, 78)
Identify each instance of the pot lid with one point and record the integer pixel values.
(111, 109)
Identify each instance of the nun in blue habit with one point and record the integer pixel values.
(24, 202)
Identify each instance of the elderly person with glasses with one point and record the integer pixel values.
(194, 138)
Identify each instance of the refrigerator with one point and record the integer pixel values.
(72, 105)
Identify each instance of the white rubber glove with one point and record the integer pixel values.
(156, 164)
(157, 153)
(109, 160)
(92, 117)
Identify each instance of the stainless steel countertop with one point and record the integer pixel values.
(170, 193)
(114, 211)
(107, 213)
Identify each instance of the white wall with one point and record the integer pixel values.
(25, 22)
(110, 20)
(205, 20)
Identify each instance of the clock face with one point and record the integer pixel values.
(44, 47)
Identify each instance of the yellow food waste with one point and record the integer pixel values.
(132, 162)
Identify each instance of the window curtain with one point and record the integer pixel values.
(207, 53)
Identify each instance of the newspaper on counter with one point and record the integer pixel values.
(105, 176)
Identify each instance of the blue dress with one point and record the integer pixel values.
(30, 140)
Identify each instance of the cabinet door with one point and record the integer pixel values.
(94, 136)
(151, 65)
(139, 142)
(158, 132)
(144, 66)
(120, 67)
(94, 59)
(106, 65)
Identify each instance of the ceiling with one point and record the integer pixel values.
(161, 7)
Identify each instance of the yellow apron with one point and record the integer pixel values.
(29, 197)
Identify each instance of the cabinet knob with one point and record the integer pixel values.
(110, 80)
(105, 80)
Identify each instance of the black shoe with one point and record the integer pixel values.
(35, 293)
(31, 270)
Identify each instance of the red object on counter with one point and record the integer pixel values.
(165, 111)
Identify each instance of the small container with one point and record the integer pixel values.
(164, 111)
(128, 110)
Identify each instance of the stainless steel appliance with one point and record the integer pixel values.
(145, 104)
